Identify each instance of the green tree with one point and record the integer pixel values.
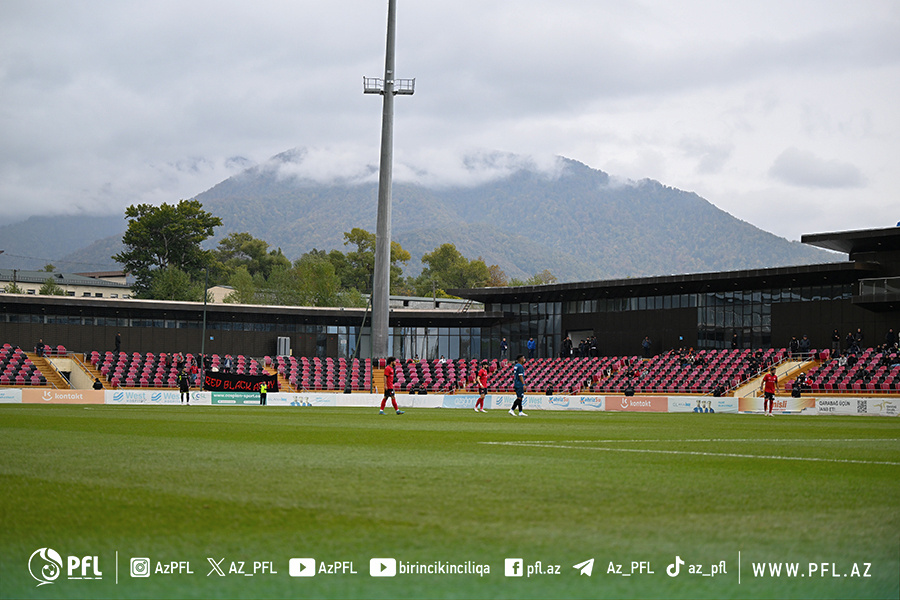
(446, 268)
(171, 283)
(49, 268)
(498, 277)
(244, 288)
(50, 288)
(545, 277)
(243, 250)
(317, 280)
(357, 269)
(13, 288)
(165, 236)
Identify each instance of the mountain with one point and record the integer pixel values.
(39, 240)
(566, 217)
(570, 219)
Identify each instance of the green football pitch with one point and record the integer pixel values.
(197, 502)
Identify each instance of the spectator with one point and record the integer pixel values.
(646, 345)
(890, 339)
(793, 346)
(98, 385)
(504, 348)
(39, 348)
(118, 342)
(835, 342)
(849, 341)
(532, 346)
(804, 347)
(734, 342)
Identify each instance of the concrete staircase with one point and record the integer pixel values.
(283, 384)
(54, 379)
(788, 369)
(90, 370)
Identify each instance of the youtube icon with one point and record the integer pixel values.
(302, 567)
(383, 567)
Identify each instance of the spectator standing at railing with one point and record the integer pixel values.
(804, 347)
(793, 346)
(890, 339)
(835, 342)
(39, 348)
(504, 349)
(849, 341)
(858, 336)
(532, 346)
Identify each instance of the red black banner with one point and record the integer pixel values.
(234, 382)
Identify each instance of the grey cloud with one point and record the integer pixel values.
(804, 169)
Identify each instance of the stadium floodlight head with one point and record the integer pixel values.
(387, 87)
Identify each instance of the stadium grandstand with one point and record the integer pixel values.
(708, 333)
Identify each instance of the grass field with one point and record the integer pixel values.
(449, 486)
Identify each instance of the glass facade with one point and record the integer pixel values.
(719, 315)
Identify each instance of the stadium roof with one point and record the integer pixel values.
(823, 274)
(855, 242)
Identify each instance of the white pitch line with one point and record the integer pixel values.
(692, 453)
(760, 440)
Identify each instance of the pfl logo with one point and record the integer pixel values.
(45, 566)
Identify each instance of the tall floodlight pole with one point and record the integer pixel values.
(387, 87)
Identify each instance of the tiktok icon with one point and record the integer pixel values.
(675, 567)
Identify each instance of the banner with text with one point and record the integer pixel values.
(886, 407)
(782, 404)
(54, 396)
(706, 404)
(234, 382)
(11, 396)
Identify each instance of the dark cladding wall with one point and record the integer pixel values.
(83, 338)
(85, 325)
(621, 333)
(818, 319)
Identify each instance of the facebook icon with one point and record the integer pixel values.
(514, 567)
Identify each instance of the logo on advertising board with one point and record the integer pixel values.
(886, 407)
(560, 401)
(10, 396)
(460, 401)
(48, 396)
(144, 397)
(781, 404)
(234, 398)
(591, 402)
(638, 403)
(503, 400)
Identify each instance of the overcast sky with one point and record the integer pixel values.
(783, 113)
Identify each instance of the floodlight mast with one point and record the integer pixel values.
(387, 87)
